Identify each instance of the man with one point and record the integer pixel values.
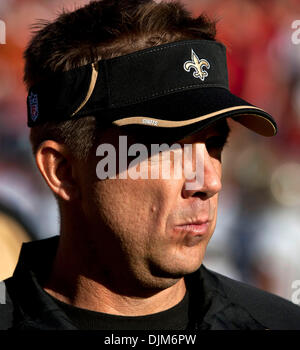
(115, 78)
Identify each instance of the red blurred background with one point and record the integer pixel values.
(257, 238)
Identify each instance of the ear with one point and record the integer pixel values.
(57, 166)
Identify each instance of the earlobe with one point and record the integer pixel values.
(56, 166)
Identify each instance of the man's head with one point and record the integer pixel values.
(153, 231)
(102, 30)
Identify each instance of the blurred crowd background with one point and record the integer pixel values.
(257, 239)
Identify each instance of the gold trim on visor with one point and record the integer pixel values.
(94, 77)
(249, 120)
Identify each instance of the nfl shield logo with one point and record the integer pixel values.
(33, 106)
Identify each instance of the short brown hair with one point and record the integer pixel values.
(101, 30)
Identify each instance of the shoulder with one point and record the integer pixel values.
(267, 308)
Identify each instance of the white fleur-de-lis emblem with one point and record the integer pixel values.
(199, 65)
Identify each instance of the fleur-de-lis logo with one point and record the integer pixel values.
(198, 65)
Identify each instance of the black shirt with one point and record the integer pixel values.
(175, 318)
(215, 302)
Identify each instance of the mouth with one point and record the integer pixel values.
(193, 233)
(196, 228)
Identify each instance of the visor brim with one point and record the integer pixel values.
(180, 114)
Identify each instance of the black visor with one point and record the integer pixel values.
(177, 87)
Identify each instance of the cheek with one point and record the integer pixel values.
(131, 208)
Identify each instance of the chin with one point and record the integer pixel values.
(177, 269)
(186, 269)
(189, 259)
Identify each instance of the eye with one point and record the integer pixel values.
(215, 143)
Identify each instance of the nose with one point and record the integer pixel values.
(211, 182)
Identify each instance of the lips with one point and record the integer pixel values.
(196, 228)
(192, 234)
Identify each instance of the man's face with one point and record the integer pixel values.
(154, 228)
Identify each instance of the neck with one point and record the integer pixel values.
(72, 282)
